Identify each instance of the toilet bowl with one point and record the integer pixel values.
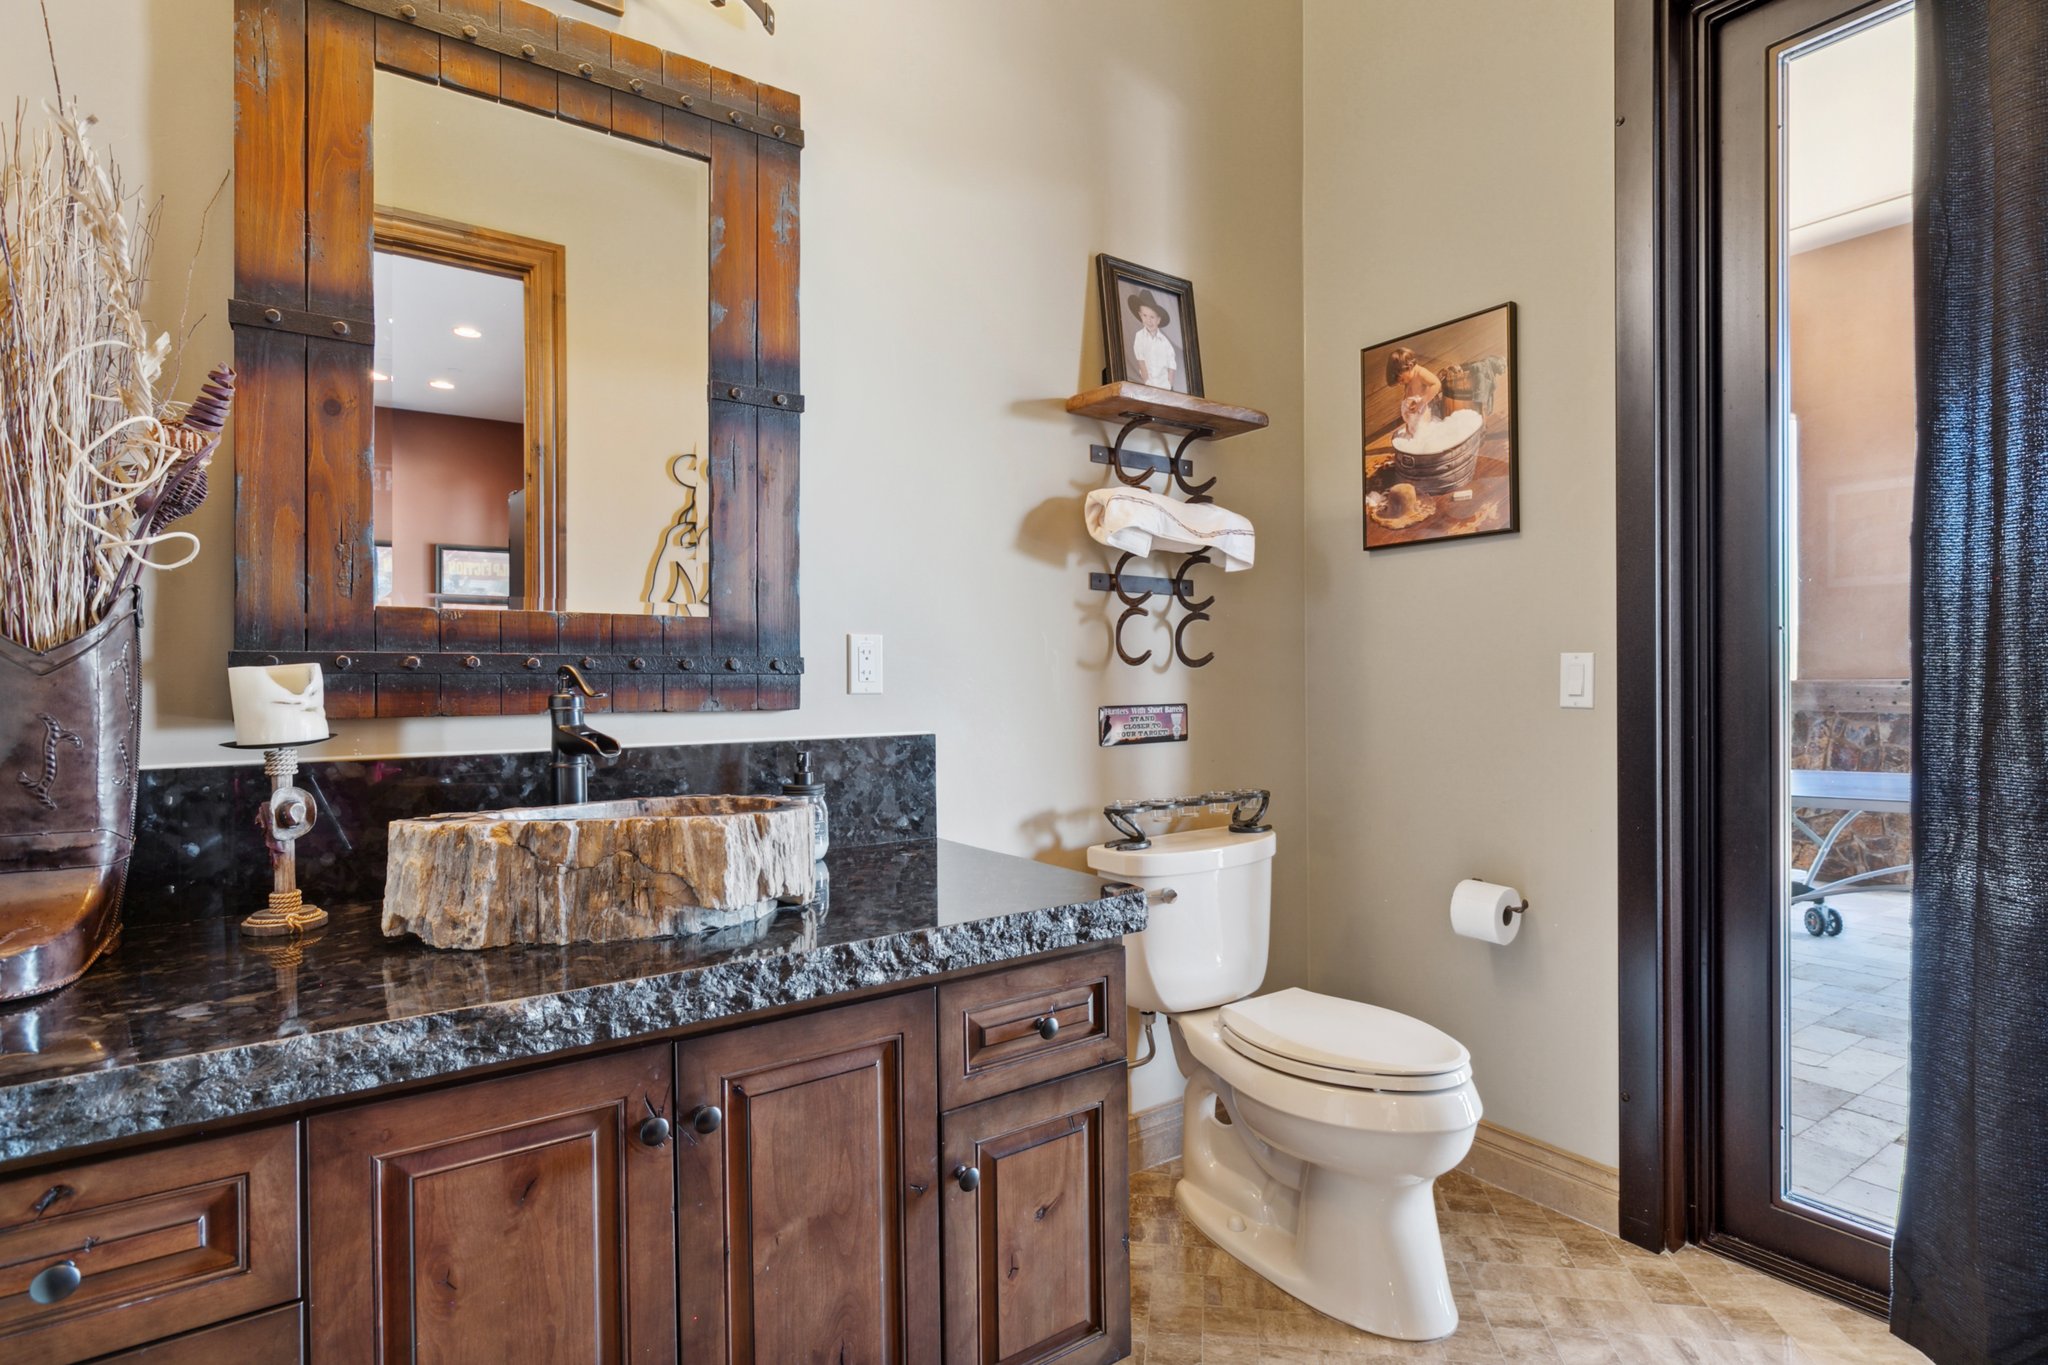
(1313, 1127)
(1324, 1188)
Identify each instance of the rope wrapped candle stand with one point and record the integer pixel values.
(1138, 407)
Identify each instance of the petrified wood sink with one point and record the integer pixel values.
(602, 870)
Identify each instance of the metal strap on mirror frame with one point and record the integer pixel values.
(1247, 813)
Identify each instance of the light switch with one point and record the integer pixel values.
(1575, 681)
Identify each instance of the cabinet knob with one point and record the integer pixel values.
(653, 1131)
(705, 1118)
(56, 1283)
(968, 1178)
(1048, 1028)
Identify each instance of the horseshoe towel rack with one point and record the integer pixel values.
(1136, 408)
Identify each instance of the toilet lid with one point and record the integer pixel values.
(1344, 1042)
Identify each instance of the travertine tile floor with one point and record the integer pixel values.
(1531, 1285)
(1849, 1074)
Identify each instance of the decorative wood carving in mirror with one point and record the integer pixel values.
(303, 314)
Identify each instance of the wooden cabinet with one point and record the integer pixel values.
(1037, 1217)
(520, 1219)
(807, 1211)
(934, 1175)
(272, 1338)
(107, 1254)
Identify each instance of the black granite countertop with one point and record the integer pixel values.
(189, 1023)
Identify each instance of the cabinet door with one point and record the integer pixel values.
(1037, 1225)
(808, 1218)
(521, 1219)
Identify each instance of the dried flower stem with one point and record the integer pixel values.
(93, 463)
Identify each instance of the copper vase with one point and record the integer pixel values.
(70, 723)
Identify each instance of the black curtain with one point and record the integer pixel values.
(1970, 1263)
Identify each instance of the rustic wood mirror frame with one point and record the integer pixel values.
(302, 312)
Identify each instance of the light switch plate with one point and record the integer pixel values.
(863, 663)
(1575, 681)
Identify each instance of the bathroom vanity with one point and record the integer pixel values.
(890, 1130)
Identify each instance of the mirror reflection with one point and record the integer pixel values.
(540, 367)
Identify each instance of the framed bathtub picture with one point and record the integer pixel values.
(1148, 327)
(1438, 418)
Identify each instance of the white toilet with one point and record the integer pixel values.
(1341, 1115)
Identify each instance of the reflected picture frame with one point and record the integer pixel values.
(473, 575)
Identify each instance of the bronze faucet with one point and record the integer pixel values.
(576, 748)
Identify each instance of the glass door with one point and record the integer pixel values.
(1813, 353)
(1847, 413)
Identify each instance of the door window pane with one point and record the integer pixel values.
(1847, 412)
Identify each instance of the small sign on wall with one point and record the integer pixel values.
(1158, 723)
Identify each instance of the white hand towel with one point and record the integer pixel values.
(1139, 520)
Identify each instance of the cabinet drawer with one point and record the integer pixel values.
(163, 1242)
(1030, 1024)
(271, 1338)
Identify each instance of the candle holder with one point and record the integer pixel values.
(286, 815)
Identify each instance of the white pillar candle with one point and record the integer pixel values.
(278, 706)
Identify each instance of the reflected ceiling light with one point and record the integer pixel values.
(467, 332)
(379, 377)
(440, 383)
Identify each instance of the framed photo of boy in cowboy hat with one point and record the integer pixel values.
(1148, 327)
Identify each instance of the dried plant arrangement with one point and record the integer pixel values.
(95, 462)
(95, 465)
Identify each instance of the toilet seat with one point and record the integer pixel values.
(1345, 1043)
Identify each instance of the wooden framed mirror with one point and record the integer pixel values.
(620, 404)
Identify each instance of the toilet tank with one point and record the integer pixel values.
(1205, 944)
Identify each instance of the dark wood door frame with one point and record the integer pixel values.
(1655, 482)
(1667, 209)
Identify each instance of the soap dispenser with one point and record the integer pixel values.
(806, 788)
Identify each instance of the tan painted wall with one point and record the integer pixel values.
(1460, 154)
(965, 162)
(1851, 308)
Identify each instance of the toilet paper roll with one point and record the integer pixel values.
(1485, 911)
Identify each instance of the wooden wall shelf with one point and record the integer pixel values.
(1163, 407)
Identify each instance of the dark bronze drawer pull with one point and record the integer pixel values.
(968, 1178)
(56, 1283)
(1048, 1028)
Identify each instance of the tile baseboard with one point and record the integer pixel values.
(1562, 1181)
(1155, 1136)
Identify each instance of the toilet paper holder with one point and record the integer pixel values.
(1509, 909)
(1506, 909)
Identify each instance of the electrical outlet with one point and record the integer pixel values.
(863, 663)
